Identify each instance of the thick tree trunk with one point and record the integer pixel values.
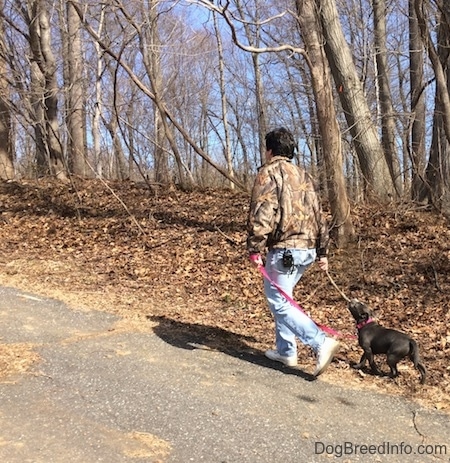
(45, 95)
(417, 149)
(75, 106)
(370, 153)
(342, 227)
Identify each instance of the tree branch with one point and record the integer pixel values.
(229, 18)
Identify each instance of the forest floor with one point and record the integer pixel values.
(177, 260)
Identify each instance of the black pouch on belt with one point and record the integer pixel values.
(288, 259)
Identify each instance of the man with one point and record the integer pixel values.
(285, 218)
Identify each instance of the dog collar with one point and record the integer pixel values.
(364, 323)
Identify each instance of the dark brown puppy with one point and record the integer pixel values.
(375, 339)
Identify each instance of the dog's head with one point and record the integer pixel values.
(360, 311)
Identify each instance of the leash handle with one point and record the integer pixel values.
(325, 328)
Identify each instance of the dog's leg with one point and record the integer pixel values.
(392, 361)
(361, 363)
(372, 364)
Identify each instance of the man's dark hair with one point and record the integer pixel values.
(281, 142)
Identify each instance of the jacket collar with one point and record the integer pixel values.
(277, 159)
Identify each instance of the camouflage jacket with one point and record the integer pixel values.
(285, 210)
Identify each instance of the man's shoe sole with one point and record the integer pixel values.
(287, 361)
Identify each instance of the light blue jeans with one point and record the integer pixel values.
(289, 321)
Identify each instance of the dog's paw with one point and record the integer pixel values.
(356, 366)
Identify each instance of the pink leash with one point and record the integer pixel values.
(297, 306)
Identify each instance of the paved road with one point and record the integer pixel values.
(104, 394)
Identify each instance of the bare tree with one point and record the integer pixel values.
(6, 152)
(438, 168)
(328, 126)
(438, 55)
(417, 145)
(45, 91)
(75, 95)
(98, 103)
(162, 86)
(254, 39)
(372, 160)
(223, 99)
(388, 128)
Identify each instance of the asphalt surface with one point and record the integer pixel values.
(103, 394)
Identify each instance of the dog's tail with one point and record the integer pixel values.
(415, 358)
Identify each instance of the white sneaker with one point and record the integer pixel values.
(288, 361)
(325, 355)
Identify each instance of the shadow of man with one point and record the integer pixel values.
(195, 336)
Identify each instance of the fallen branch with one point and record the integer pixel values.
(336, 286)
(231, 240)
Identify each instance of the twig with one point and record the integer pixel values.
(231, 240)
(436, 281)
(132, 217)
(414, 413)
(335, 285)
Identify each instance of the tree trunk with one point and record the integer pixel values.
(45, 102)
(342, 227)
(417, 148)
(388, 129)
(436, 56)
(118, 166)
(98, 106)
(227, 147)
(438, 169)
(6, 152)
(75, 107)
(253, 39)
(372, 161)
(151, 45)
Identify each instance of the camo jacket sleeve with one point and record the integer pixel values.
(285, 210)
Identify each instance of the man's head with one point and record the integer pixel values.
(281, 143)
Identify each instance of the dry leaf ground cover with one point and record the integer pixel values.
(176, 262)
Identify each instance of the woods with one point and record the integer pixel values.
(182, 92)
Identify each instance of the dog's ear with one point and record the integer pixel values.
(368, 313)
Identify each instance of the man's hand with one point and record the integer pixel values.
(323, 263)
(256, 260)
